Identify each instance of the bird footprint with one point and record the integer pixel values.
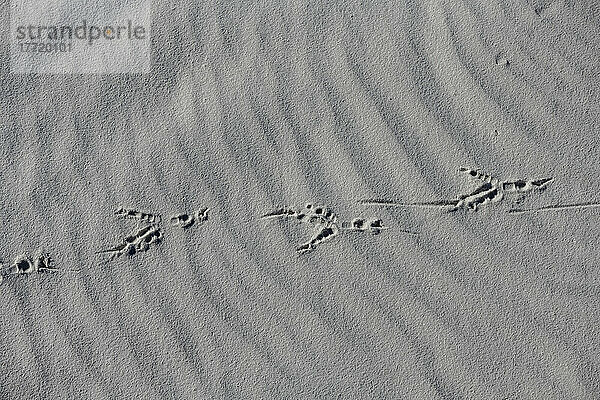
(137, 242)
(186, 220)
(25, 265)
(129, 213)
(143, 238)
(325, 222)
(490, 190)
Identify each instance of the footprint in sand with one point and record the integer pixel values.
(187, 220)
(25, 265)
(135, 214)
(137, 242)
(491, 190)
(325, 223)
(142, 239)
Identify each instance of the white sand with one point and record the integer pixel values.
(249, 108)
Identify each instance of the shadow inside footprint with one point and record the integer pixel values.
(358, 223)
(22, 265)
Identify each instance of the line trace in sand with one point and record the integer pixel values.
(491, 190)
(555, 207)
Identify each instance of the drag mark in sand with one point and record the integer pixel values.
(555, 207)
(491, 190)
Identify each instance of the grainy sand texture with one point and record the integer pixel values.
(274, 211)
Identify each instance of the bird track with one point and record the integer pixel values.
(323, 219)
(142, 239)
(23, 264)
(325, 222)
(491, 190)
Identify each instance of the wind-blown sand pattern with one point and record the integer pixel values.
(253, 104)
